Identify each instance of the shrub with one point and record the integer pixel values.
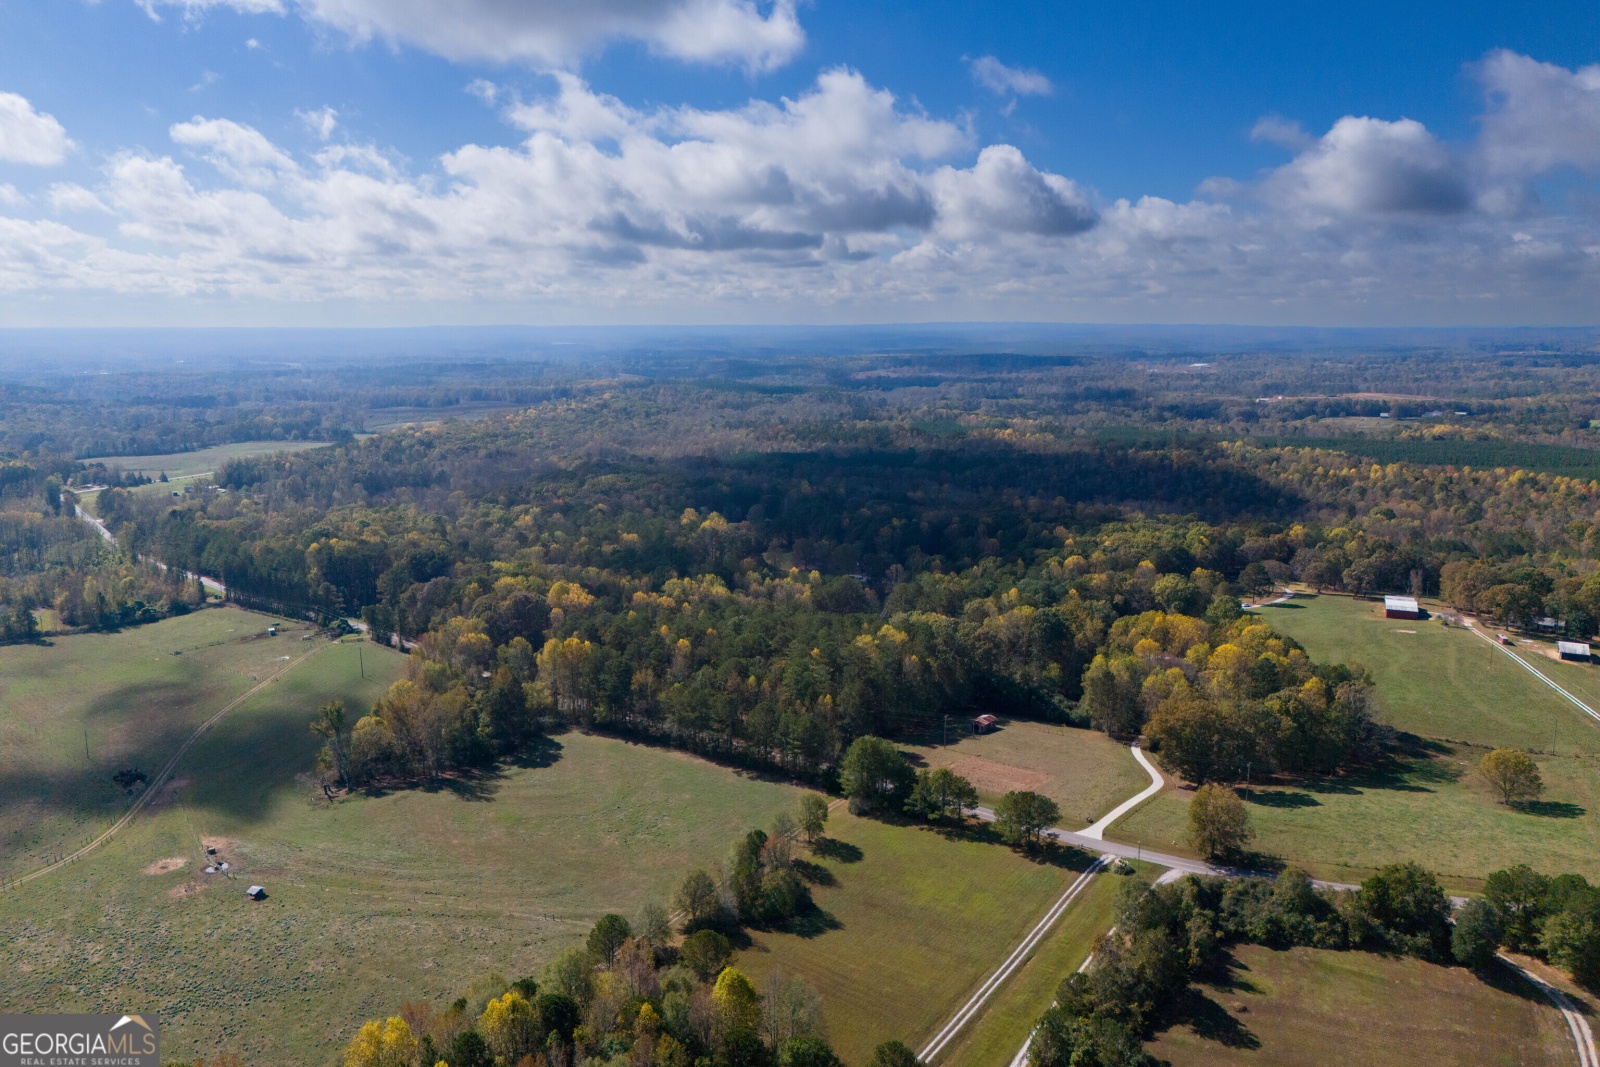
(1476, 936)
(1407, 910)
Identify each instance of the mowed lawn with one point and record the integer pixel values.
(1083, 771)
(372, 900)
(1441, 681)
(1318, 1008)
(913, 923)
(1429, 804)
(76, 711)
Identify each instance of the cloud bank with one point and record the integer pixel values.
(840, 202)
(551, 33)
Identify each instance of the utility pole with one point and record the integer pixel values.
(361, 657)
(86, 744)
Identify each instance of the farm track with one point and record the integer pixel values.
(1577, 1024)
(1536, 672)
(160, 779)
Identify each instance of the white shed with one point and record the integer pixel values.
(255, 892)
(1574, 650)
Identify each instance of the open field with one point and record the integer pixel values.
(1084, 771)
(202, 460)
(74, 712)
(1427, 805)
(1006, 1021)
(372, 900)
(914, 923)
(1300, 1008)
(1433, 810)
(1441, 681)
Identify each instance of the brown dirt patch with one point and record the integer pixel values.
(989, 776)
(221, 844)
(167, 866)
(168, 794)
(185, 889)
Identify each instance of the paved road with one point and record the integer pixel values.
(208, 583)
(1531, 669)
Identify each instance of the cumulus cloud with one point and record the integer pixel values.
(1285, 133)
(1540, 116)
(839, 197)
(996, 77)
(1367, 165)
(321, 122)
(555, 32)
(29, 136)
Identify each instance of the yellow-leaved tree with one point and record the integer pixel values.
(507, 1023)
(386, 1044)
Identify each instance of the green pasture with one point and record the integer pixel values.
(202, 460)
(911, 921)
(79, 709)
(1083, 771)
(1460, 696)
(995, 1036)
(1317, 1008)
(372, 900)
(1440, 682)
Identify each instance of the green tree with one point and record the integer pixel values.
(894, 1054)
(1022, 816)
(1571, 940)
(706, 953)
(875, 775)
(469, 1049)
(1519, 897)
(1475, 938)
(813, 816)
(1219, 824)
(1408, 910)
(607, 936)
(807, 1052)
(330, 726)
(1111, 695)
(1514, 775)
(941, 793)
(654, 924)
(697, 899)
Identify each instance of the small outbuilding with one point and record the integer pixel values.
(984, 723)
(255, 892)
(1577, 651)
(272, 631)
(1401, 607)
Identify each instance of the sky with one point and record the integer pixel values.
(414, 162)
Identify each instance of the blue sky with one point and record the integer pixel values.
(420, 161)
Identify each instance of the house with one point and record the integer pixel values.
(1401, 607)
(1578, 651)
(983, 723)
(255, 892)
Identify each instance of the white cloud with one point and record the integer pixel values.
(996, 77)
(1366, 165)
(554, 32)
(9, 195)
(321, 122)
(68, 197)
(839, 201)
(1286, 133)
(1540, 116)
(29, 136)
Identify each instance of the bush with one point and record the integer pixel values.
(1476, 936)
(1406, 911)
(706, 953)
(807, 1052)
(894, 1054)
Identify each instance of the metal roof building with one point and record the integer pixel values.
(1401, 607)
(1574, 650)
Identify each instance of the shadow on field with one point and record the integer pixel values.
(815, 873)
(1554, 809)
(1281, 798)
(813, 923)
(1210, 1020)
(841, 851)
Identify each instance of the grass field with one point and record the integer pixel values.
(1006, 1021)
(178, 465)
(1462, 697)
(1440, 682)
(913, 924)
(373, 899)
(1084, 771)
(1300, 1009)
(74, 712)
